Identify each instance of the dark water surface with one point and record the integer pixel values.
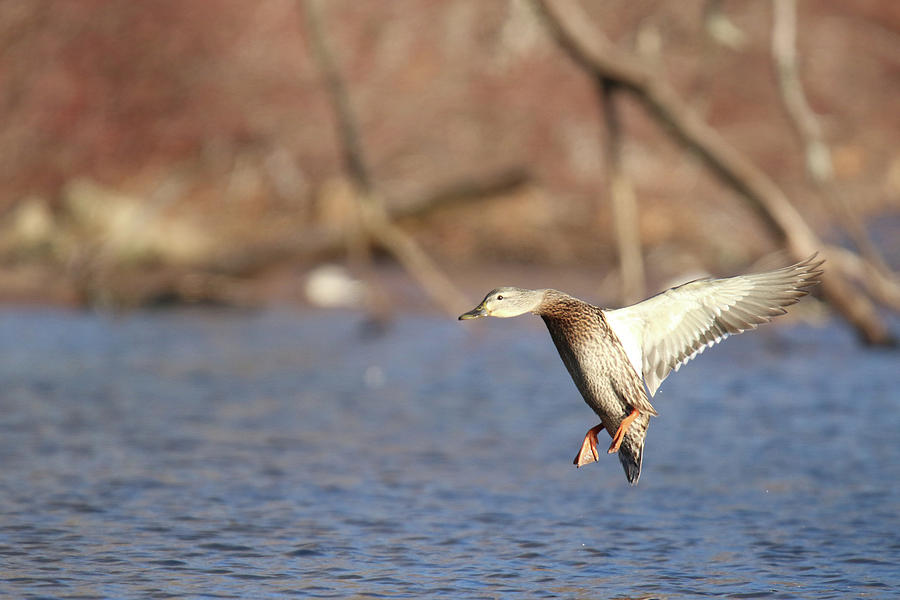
(235, 455)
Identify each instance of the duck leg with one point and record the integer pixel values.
(620, 432)
(588, 452)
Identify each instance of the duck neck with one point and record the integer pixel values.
(551, 303)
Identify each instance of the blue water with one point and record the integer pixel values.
(277, 454)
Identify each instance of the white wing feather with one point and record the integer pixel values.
(663, 332)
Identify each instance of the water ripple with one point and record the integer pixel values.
(231, 455)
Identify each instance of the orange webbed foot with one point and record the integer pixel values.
(620, 432)
(588, 452)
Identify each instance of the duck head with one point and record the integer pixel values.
(506, 302)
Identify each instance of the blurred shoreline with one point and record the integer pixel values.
(167, 153)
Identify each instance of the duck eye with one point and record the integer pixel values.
(500, 297)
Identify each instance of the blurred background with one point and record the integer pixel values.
(184, 152)
(401, 159)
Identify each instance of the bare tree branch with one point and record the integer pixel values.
(624, 203)
(356, 237)
(474, 189)
(322, 243)
(883, 288)
(784, 53)
(590, 49)
(720, 28)
(375, 220)
(348, 131)
(809, 131)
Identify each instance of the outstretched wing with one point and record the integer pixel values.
(664, 332)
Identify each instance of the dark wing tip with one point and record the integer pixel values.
(812, 270)
(812, 267)
(808, 272)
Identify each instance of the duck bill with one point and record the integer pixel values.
(475, 313)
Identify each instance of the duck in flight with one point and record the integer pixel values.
(612, 354)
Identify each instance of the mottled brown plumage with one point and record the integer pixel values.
(594, 357)
(611, 354)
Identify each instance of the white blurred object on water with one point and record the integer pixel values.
(331, 286)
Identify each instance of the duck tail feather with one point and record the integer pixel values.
(631, 452)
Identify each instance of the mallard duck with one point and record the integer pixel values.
(612, 354)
